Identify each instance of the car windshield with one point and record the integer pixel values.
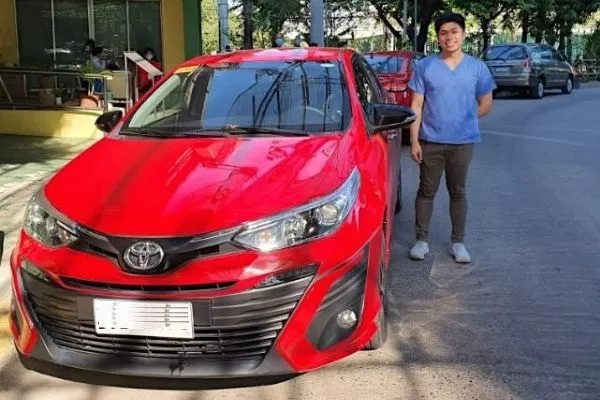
(388, 64)
(274, 97)
(505, 53)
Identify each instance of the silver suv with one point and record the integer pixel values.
(530, 68)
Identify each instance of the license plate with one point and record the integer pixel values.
(502, 70)
(144, 318)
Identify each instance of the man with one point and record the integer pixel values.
(450, 92)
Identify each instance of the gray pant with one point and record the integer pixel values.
(437, 158)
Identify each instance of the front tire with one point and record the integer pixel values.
(380, 336)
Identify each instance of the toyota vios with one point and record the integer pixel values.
(233, 228)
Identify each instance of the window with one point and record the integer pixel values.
(546, 53)
(52, 33)
(307, 96)
(385, 64)
(34, 27)
(71, 31)
(506, 53)
(367, 93)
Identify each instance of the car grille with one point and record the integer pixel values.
(78, 283)
(177, 250)
(244, 325)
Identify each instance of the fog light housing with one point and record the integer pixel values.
(34, 271)
(346, 319)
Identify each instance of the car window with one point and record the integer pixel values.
(310, 96)
(385, 64)
(367, 93)
(505, 53)
(546, 53)
(536, 54)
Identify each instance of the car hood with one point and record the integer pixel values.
(176, 187)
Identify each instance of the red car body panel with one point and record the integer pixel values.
(155, 188)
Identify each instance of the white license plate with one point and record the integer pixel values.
(144, 318)
(502, 70)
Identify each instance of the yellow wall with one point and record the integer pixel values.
(8, 33)
(54, 123)
(172, 33)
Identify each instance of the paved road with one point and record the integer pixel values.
(521, 322)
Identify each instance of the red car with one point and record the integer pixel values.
(232, 229)
(394, 69)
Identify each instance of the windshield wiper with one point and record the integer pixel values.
(172, 133)
(262, 131)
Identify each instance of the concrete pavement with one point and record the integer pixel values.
(520, 322)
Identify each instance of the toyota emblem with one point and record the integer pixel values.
(144, 256)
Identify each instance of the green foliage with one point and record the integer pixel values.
(592, 45)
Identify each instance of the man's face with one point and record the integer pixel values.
(451, 37)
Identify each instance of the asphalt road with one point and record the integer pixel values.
(521, 322)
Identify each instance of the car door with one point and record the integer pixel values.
(371, 92)
(562, 67)
(550, 67)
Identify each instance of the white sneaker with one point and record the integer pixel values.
(460, 253)
(419, 250)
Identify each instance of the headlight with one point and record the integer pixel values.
(42, 224)
(314, 220)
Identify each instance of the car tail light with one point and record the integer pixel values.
(526, 65)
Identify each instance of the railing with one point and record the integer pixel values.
(588, 69)
(29, 88)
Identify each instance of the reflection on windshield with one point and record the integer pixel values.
(295, 96)
(385, 64)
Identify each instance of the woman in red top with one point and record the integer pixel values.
(144, 80)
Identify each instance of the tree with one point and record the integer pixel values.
(486, 12)
(390, 11)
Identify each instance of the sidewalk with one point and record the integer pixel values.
(25, 163)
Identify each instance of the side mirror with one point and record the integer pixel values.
(392, 116)
(107, 121)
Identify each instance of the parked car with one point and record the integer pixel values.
(233, 228)
(394, 69)
(529, 68)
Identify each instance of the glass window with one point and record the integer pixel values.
(110, 25)
(34, 26)
(144, 26)
(385, 64)
(366, 91)
(305, 96)
(71, 30)
(506, 53)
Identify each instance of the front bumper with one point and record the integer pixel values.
(254, 337)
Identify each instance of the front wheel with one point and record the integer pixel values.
(380, 336)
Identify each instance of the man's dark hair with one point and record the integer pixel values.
(444, 19)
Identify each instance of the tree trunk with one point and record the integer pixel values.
(428, 8)
(570, 45)
(485, 33)
(525, 27)
(247, 6)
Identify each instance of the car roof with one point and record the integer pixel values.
(274, 54)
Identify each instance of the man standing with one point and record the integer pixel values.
(451, 91)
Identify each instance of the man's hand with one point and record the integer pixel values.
(415, 147)
(416, 152)
(484, 104)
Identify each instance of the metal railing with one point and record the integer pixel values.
(18, 87)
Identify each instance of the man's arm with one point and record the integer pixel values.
(485, 105)
(417, 107)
